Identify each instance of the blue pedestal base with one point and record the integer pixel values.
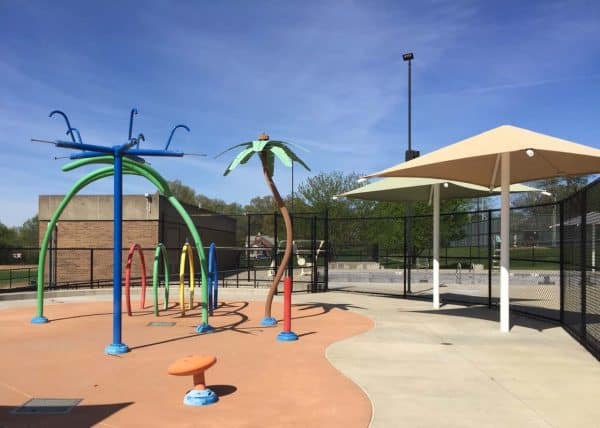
(204, 328)
(268, 321)
(116, 349)
(287, 336)
(39, 320)
(200, 397)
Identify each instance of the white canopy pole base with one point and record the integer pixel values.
(505, 244)
(436, 246)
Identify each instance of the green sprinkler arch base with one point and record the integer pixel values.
(160, 250)
(130, 167)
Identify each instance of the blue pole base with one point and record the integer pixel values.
(268, 321)
(39, 320)
(287, 336)
(205, 328)
(116, 349)
(201, 397)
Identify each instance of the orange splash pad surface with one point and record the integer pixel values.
(261, 382)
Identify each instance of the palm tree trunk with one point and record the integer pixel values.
(288, 233)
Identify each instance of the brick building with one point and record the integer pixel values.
(83, 240)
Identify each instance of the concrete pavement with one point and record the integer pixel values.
(453, 367)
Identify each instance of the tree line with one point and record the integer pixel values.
(25, 235)
(355, 222)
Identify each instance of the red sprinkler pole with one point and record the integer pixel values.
(287, 334)
(287, 304)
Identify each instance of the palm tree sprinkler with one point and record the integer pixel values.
(268, 149)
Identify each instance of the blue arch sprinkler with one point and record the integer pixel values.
(117, 152)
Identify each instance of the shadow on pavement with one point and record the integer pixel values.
(80, 416)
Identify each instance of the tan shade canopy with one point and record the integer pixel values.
(476, 159)
(419, 189)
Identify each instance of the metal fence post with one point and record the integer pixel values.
(404, 264)
(490, 262)
(248, 245)
(326, 248)
(275, 239)
(91, 267)
(562, 260)
(290, 265)
(583, 266)
(313, 244)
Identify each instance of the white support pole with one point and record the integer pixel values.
(593, 247)
(505, 244)
(436, 246)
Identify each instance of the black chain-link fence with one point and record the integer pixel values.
(580, 303)
(251, 261)
(260, 244)
(553, 258)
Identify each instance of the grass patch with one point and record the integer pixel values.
(17, 276)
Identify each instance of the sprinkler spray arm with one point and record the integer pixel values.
(173, 131)
(69, 127)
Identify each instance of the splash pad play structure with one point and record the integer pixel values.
(126, 158)
(267, 150)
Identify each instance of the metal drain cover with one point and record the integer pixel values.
(161, 324)
(47, 406)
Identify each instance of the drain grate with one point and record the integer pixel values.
(161, 324)
(47, 406)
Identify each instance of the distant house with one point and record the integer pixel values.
(264, 243)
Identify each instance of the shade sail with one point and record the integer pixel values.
(502, 156)
(419, 189)
(476, 159)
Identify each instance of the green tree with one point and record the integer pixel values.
(555, 189)
(183, 192)
(319, 193)
(8, 236)
(261, 204)
(219, 205)
(347, 230)
(28, 233)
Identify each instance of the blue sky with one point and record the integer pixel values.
(326, 75)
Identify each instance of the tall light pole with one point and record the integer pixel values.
(409, 154)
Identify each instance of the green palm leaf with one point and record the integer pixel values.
(290, 144)
(248, 144)
(294, 157)
(259, 145)
(281, 154)
(247, 157)
(271, 148)
(244, 155)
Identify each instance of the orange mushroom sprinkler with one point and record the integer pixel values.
(195, 365)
